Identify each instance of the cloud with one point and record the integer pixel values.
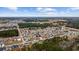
(39, 9)
(53, 12)
(75, 8)
(13, 8)
(44, 9)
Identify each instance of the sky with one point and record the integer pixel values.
(39, 11)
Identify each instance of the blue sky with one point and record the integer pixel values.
(39, 11)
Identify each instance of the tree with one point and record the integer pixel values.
(48, 45)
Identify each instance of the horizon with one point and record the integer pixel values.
(36, 16)
(39, 11)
